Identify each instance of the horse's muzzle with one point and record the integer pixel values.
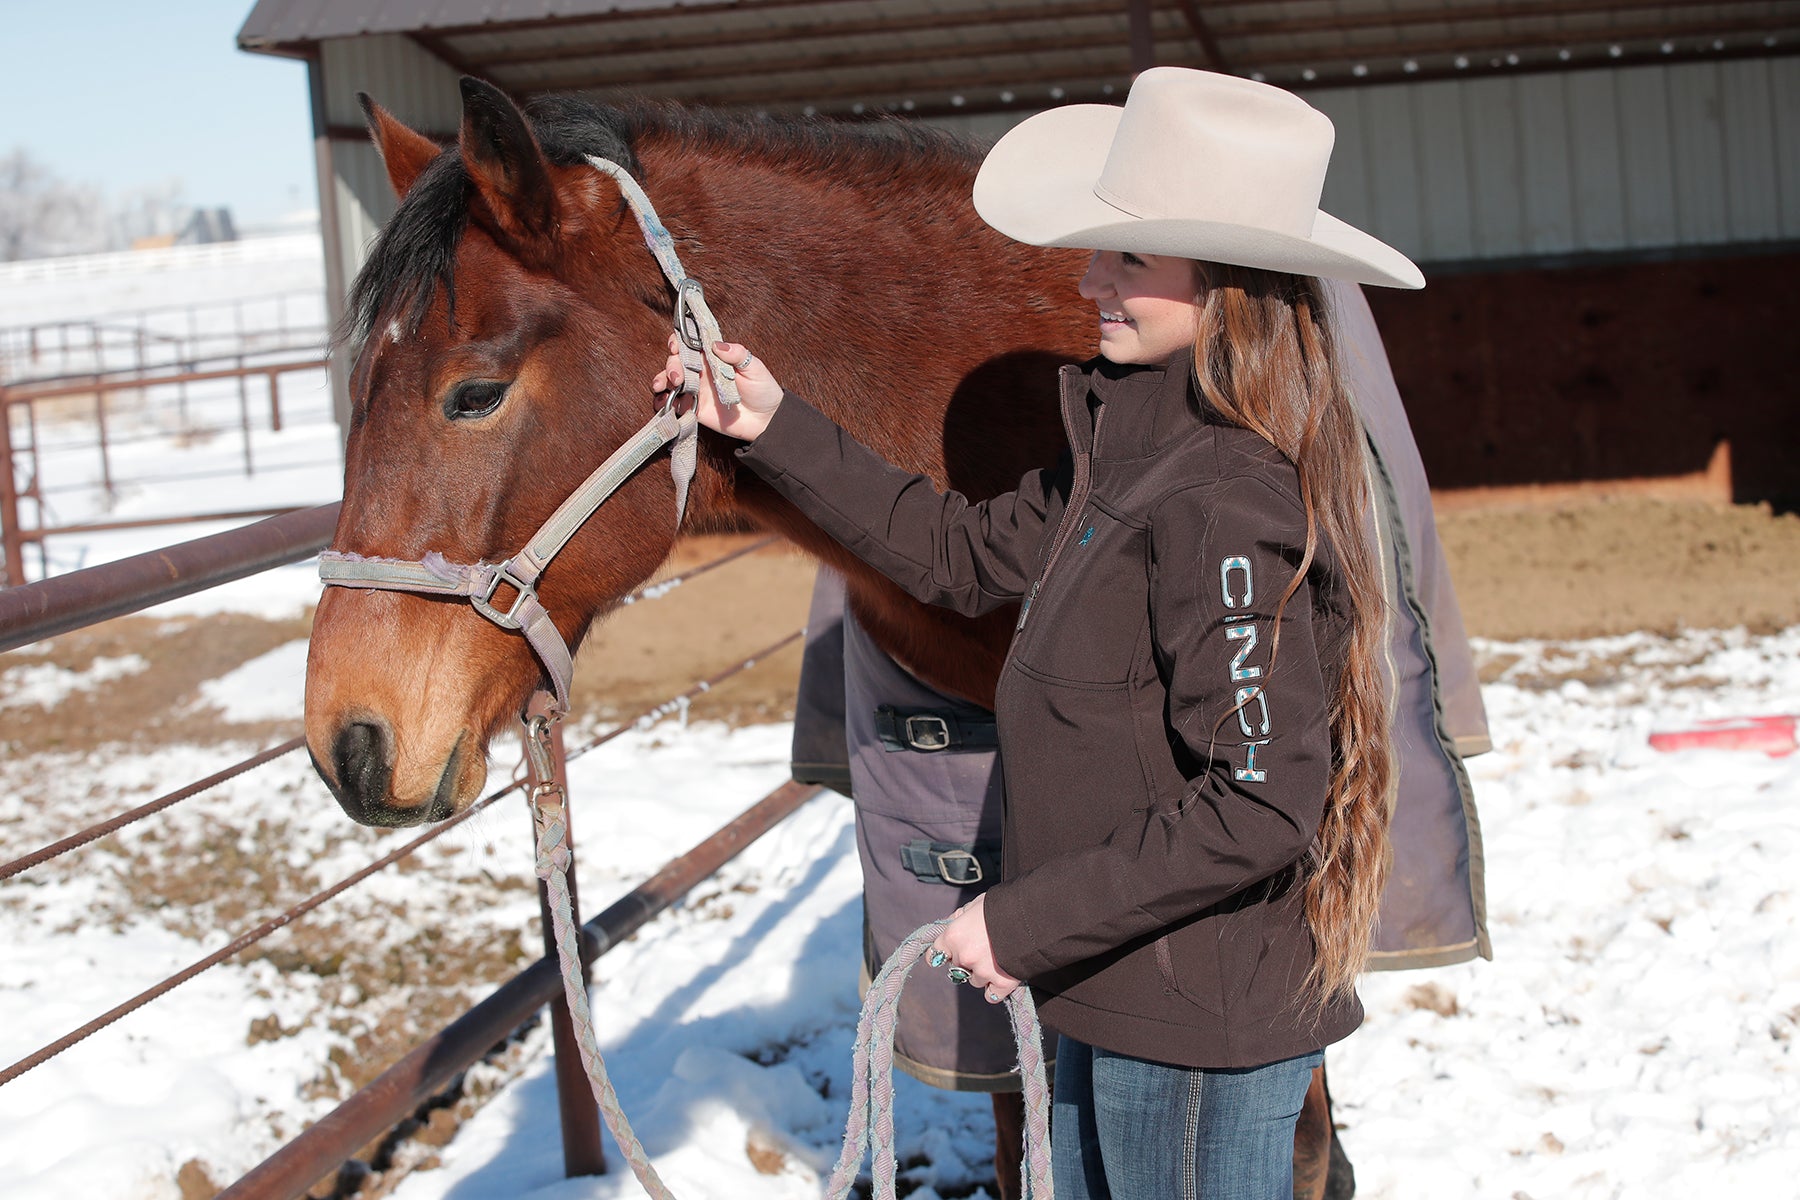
(362, 778)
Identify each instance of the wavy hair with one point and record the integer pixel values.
(1265, 359)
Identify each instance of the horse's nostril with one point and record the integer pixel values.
(361, 758)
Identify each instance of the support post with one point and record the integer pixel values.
(14, 545)
(582, 1152)
(1143, 37)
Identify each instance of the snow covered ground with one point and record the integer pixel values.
(1634, 1037)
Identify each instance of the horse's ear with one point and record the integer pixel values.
(404, 151)
(506, 164)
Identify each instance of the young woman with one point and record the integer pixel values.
(1192, 717)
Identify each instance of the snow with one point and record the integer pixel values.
(1634, 1037)
(45, 685)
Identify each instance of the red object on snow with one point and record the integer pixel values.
(1774, 736)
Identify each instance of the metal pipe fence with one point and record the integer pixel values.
(36, 611)
(159, 336)
(15, 534)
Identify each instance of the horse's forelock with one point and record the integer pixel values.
(414, 255)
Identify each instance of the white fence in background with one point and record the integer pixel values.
(163, 258)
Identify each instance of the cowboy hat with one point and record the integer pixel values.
(1196, 165)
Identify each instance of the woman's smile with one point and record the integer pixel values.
(1149, 305)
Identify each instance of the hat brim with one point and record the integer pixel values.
(1037, 186)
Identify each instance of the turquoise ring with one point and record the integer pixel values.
(958, 975)
(938, 958)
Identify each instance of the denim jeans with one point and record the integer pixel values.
(1125, 1128)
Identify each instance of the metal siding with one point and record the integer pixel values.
(1598, 184)
(1346, 194)
(400, 75)
(1647, 157)
(405, 80)
(1490, 107)
(1393, 180)
(1701, 208)
(1546, 179)
(1752, 191)
(1444, 172)
(1784, 104)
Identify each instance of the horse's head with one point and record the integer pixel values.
(509, 319)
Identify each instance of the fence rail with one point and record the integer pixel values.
(44, 609)
(15, 535)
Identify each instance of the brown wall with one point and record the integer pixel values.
(1592, 373)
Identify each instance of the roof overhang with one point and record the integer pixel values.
(852, 58)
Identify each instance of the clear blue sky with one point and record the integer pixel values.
(127, 94)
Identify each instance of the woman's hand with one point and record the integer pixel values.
(759, 395)
(965, 944)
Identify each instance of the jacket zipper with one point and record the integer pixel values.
(1078, 496)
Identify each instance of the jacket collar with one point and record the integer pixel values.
(1145, 406)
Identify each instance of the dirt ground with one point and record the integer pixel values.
(1570, 571)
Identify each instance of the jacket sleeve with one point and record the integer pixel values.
(936, 545)
(1250, 736)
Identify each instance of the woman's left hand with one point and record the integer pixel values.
(965, 944)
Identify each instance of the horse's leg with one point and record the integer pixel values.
(1312, 1141)
(1009, 1142)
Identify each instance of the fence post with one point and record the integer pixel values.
(582, 1151)
(106, 478)
(244, 414)
(274, 400)
(9, 500)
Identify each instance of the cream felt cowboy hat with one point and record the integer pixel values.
(1196, 165)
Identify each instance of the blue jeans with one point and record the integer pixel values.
(1125, 1128)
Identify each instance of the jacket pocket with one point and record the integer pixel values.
(1085, 622)
(1188, 959)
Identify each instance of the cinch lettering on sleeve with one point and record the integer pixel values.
(1237, 589)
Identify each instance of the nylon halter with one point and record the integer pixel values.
(697, 331)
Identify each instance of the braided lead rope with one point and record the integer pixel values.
(869, 1128)
(547, 809)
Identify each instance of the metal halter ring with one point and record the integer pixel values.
(958, 975)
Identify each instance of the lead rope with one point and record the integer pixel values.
(870, 1127)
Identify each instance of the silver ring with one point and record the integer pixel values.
(958, 975)
(938, 958)
(748, 359)
(993, 997)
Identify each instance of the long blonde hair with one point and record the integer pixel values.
(1265, 360)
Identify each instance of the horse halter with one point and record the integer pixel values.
(434, 575)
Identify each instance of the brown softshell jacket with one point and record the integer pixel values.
(1432, 912)
(1164, 774)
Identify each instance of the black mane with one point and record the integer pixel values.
(415, 253)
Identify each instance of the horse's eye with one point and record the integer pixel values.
(474, 398)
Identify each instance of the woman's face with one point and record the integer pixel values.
(1149, 304)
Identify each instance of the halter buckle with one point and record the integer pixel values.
(483, 600)
(687, 325)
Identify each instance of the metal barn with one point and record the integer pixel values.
(1605, 194)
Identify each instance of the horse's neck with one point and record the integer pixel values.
(898, 313)
(883, 299)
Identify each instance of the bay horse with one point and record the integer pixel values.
(509, 319)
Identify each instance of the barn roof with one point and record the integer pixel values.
(849, 57)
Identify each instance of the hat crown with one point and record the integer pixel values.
(1209, 147)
